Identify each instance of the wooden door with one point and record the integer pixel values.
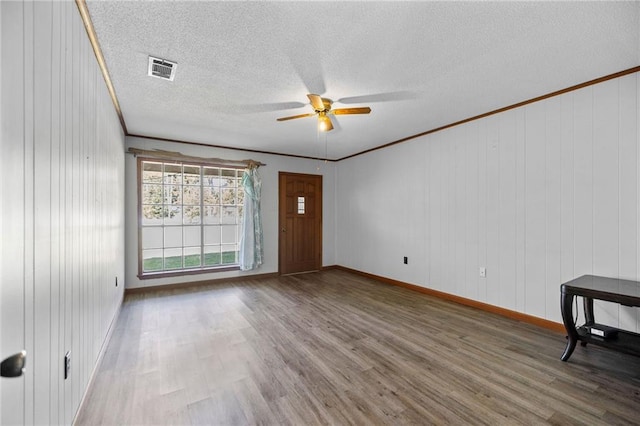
(300, 213)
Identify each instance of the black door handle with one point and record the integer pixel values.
(14, 365)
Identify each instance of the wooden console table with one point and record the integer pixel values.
(591, 287)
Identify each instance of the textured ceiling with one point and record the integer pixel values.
(418, 65)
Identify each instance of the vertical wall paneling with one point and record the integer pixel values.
(460, 212)
(435, 197)
(521, 170)
(420, 215)
(445, 220)
(2, 137)
(442, 243)
(379, 251)
(42, 212)
(65, 241)
(628, 190)
(606, 189)
(349, 251)
(81, 283)
(507, 210)
(445, 197)
(452, 230)
(493, 225)
(438, 249)
(414, 218)
(553, 149)
(535, 244)
(54, 186)
(344, 250)
(456, 233)
(12, 200)
(401, 213)
(567, 170)
(481, 141)
(28, 234)
(68, 203)
(76, 212)
(448, 231)
(583, 181)
(447, 225)
(538, 195)
(426, 187)
(472, 202)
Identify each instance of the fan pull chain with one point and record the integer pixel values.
(318, 167)
(325, 149)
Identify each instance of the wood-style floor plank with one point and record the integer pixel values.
(337, 348)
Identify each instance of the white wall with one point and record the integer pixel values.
(538, 195)
(62, 209)
(269, 204)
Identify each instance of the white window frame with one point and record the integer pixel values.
(197, 241)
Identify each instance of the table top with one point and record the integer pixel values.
(603, 288)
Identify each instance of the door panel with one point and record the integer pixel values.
(300, 214)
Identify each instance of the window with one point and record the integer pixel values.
(189, 218)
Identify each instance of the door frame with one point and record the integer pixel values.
(282, 218)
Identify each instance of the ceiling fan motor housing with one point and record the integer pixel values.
(322, 108)
(327, 105)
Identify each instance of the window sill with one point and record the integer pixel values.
(183, 272)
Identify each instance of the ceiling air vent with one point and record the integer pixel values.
(162, 68)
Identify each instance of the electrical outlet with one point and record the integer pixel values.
(67, 364)
(406, 260)
(483, 272)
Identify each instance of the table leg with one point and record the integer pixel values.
(588, 310)
(588, 314)
(566, 306)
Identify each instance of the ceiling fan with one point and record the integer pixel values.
(322, 108)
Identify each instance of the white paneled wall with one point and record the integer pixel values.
(62, 209)
(538, 195)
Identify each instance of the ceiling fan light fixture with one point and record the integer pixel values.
(324, 122)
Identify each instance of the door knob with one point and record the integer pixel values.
(284, 230)
(14, 365)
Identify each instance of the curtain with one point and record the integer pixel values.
(251, 244)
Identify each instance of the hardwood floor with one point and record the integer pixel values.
(337, 348)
